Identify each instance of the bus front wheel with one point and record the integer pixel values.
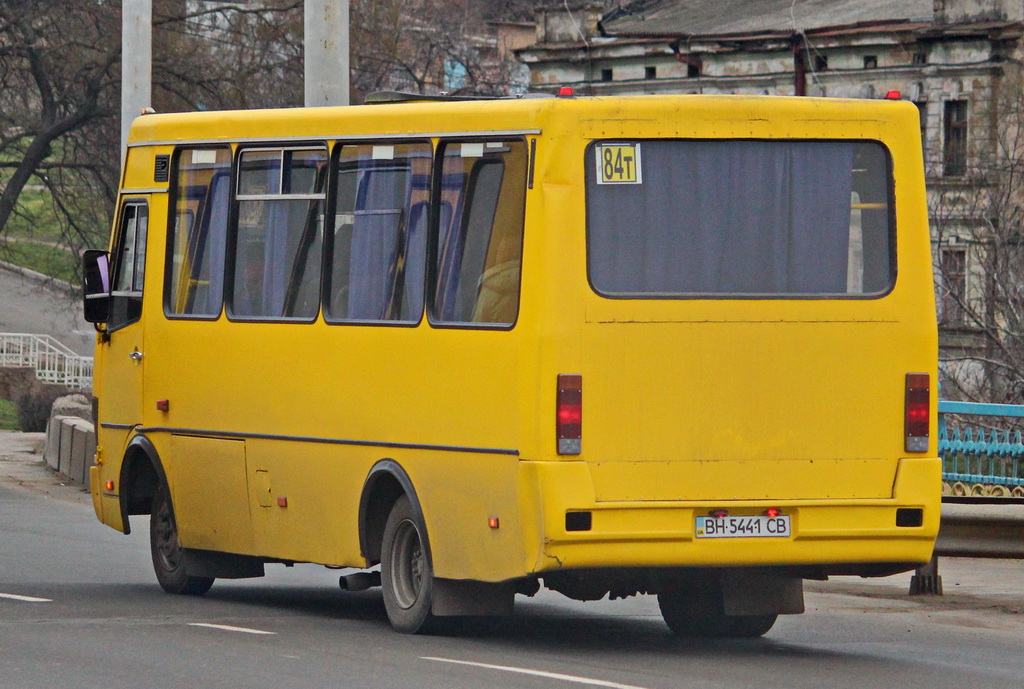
(406, 572)
(699, 611)
(170, 560)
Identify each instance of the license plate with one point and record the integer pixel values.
(743, 527)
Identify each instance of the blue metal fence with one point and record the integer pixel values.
(981, 460)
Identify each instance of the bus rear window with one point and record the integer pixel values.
(723, 218)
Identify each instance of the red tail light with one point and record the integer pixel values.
(918, 412)
(569, 421)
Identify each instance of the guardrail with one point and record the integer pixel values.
(978, 459)
(981, 468)
(52, 361)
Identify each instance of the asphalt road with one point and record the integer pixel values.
(79, 607)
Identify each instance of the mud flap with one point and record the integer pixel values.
(206, 563)
(453, 597)
(753, 592)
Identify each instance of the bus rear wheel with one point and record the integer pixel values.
(170, 560)
(699, 611)
(407, 576)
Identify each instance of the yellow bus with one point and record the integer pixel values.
(672, 345)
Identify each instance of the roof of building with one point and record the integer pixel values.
(725, 17)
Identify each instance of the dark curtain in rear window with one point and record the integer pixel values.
(762, 218)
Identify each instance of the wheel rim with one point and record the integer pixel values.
(408, 564)
(167, 547)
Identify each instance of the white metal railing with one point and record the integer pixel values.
(52, 361)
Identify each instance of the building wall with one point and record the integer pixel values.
(961, 73)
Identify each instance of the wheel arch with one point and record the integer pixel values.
(386, 482)
(141, 473)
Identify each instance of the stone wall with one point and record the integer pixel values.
(33, 397)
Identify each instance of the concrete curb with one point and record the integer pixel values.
(71, 447)
(995, 531)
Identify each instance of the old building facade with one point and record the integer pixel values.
(957, 60)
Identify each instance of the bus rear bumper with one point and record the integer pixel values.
(825, 536)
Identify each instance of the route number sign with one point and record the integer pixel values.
(618, 164)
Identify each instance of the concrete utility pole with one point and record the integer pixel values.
(326, 52)
(136, 62)
(326, 57)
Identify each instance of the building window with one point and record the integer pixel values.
(693, 64)
(650, 72)
(606, 75)
(920, 58)
(870, 62)
(955, 149)
(922, 111)
(820, 63)
(952, 284)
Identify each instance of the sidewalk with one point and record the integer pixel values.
(968, 583)
(22, 465)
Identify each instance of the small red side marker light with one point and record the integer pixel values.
(109, 485)
(893, 95)
(772, 512)
(566, 92)
(493, 522)
(719, 514)
(163, 405)
(282, 501)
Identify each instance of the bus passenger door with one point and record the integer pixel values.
(119, 388)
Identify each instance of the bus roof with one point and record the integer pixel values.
(425, 118)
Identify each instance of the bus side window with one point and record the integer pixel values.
(279, 237)
(377, 256)
(479, 253)
(129, 265)
(195, 278)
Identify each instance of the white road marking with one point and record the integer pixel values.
(229, 628)
(539, 673)
(25, 599)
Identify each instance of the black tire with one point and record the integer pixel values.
(170, 560)
(407, 575)
(698, 612)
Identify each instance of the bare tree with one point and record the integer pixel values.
(228, 55)
(60, 97)
(978, 220)
(60, 71)
(58, 77)
(428, 46)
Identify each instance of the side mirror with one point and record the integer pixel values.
(96, 286)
